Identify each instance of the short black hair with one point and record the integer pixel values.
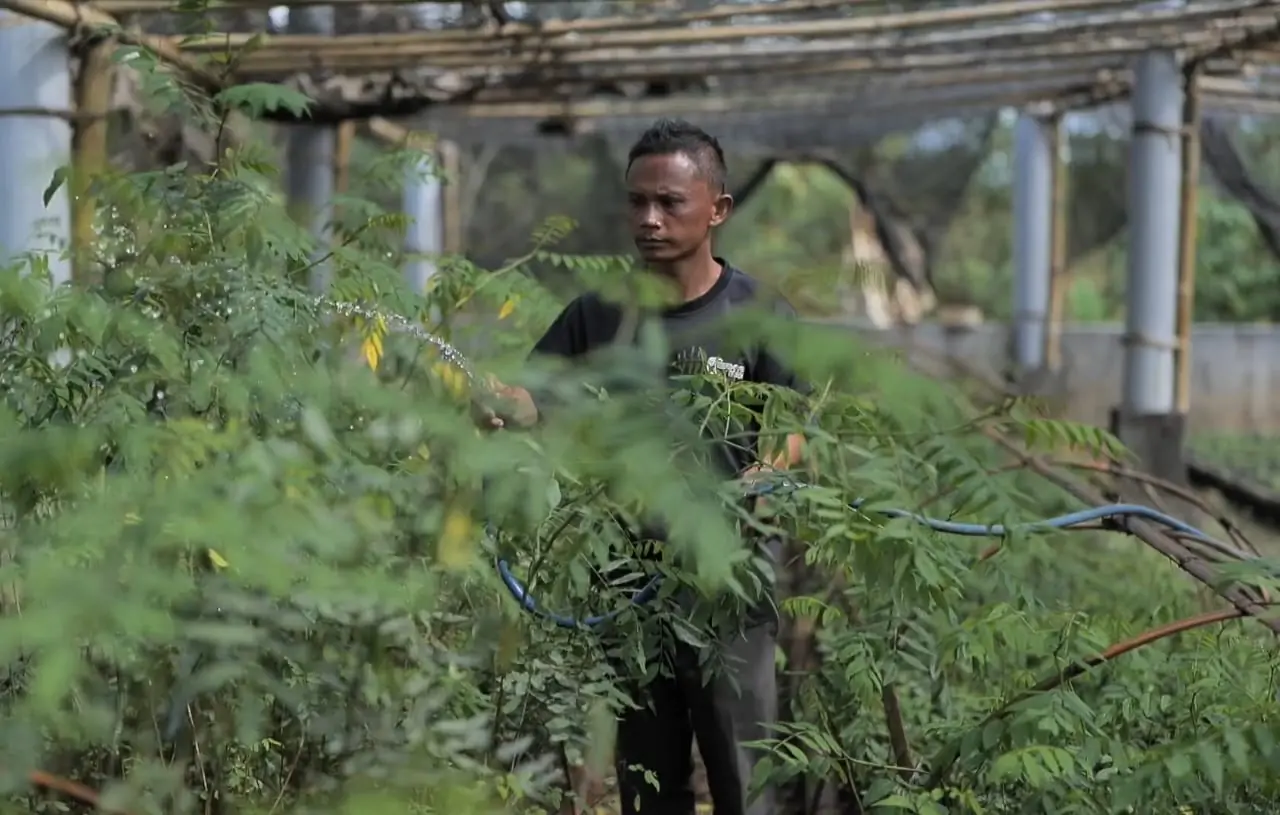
(667, 137)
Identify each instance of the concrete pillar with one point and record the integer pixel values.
(424, 208)
(1155, 177)
(35, 75)
(310, 160)
(1147, 420)
(1033, 177)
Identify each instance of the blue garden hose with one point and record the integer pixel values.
(1061, 522)
(650, 589)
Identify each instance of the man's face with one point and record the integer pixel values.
(673, 206)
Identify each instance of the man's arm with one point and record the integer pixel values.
(516, 405)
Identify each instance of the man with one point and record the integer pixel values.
(676, 188)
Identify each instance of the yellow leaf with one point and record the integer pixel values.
(371, 348)
(507, 308)
(218, 561)
(454, 380)
(456, 539)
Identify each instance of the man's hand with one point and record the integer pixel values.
(504, 405)
(756, 473)
(763, 472)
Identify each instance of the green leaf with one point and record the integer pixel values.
(55, 184)
(257, 98)
(1211, 764)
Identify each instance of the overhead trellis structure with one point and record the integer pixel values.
(816, 80)
(769, 62)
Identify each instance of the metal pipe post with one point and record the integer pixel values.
(1155, 171)
(310, 161)
(35, 141)
(1033, 177)
(424, 236)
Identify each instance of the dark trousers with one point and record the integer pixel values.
(655, 742)
(735, 705)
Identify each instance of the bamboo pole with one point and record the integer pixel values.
(815, 59)
(611, 23)
(676, 30)
(89, 154)
(890, 29)
(397, 135)
(1059, 282)
(1230, 86)
(1189, 194)
(1245, 107)
(451, 209)
(503, 104)
(866, 104)
(935, 83)
(342, 157)
(345, 53)
(694, 62)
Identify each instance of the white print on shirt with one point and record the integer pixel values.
(732, 370)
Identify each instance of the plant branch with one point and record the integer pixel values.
(1229, 526)
(948, 755)
(1157, 539)
(897, 730)
(71, 789)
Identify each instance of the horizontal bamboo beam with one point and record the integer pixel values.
(737, 130)
(1230, 105)
(736, 133)
(397, 135)
(1241, 89)
(340, 54)
(837, 102)
(165, 6)
(826, 127)
(854, 101)
(465, 42)
(817, 58)
(888, 81)
(612, 23)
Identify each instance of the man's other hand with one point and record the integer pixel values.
(486, 418)
(757, 473)
(504, 405)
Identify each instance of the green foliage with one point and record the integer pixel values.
(794, 232)
(249, 547)
(1236, 277)
(1253, 457)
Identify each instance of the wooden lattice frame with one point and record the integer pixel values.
(731, 59)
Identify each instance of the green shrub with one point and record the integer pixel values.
(250, 551)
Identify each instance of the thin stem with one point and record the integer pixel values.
(948, 755)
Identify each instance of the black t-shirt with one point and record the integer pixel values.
(692, 331)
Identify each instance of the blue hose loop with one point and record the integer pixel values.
(1060, 522)
(529, 604)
